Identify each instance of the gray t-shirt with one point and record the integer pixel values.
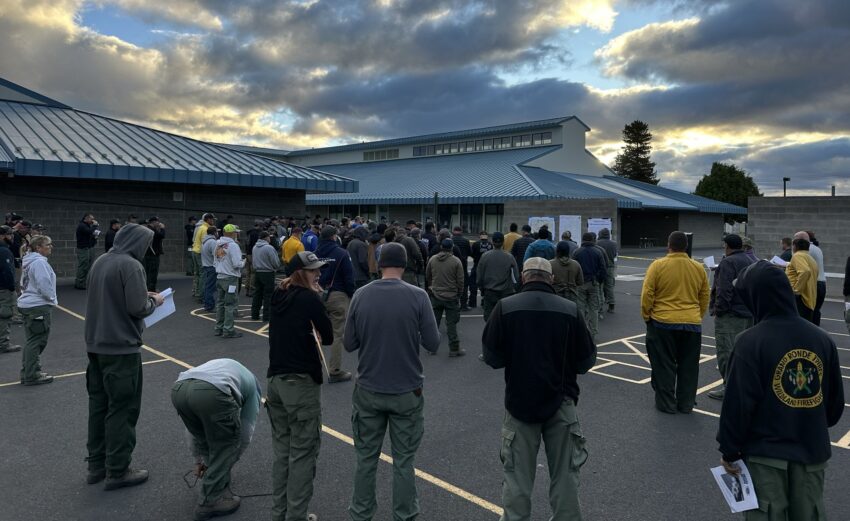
(817, 254)
(388, 319)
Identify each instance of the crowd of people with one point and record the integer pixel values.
(380, 290)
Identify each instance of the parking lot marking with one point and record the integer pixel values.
(844, 441)
(79, 373)
(709, 387)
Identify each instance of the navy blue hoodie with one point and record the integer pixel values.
(784, 387)
(338, 273)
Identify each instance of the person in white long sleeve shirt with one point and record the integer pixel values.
(38, 297)
(228, 268)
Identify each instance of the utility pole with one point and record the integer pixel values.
(784, 187)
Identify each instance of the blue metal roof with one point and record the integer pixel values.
(566, 186)
(7, 162)
(62, 142)
(486, 177)
(703, 204)
(443, 136)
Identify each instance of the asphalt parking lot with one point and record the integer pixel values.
(643, 465)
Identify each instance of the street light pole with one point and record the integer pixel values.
(784, 183)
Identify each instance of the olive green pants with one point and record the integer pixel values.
(588, 305)
(786, 491)
(295, 410)
(263, 287)
(674, 358)
(337, 308)
(226, 302)
(37, 329)
(489, 299)
(212, 418)
(452, 309)
(608, 288)
(197, 274)
(7, 306)
(726, 328)
(565, 455)
(85, 258)
(371, 414)
(114, 385)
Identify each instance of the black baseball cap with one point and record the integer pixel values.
(305, 260)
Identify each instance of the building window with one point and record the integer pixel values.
(453, 148)
(431, 149)
(470, 146)
(525, 140)
(418, 151)
(488, 144)
(335, 212)
(522, 140)
(479, 145)
(516, 141)
(380, 155)
(506, 142)
(547, 138)
(470, 218)
(493, 215)
(439, 150)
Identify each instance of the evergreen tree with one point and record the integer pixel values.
(633, 160)
(727, 183)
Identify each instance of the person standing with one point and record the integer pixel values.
(567, 237)
(542, 247)
(479, 248)
(218, 403)
(337, 280)
(673, 301)
(846, 292)
(189, 228)
(784, 390)
(802, 273)
(152, 256)
(266, 262)
(817, 255)
(593, 270)
(114, 226)
(465, 250)
(444, 283)
(521, 244)
(497, 275)
(253, 236)
(387, 322)
(359, 253)
(7, 290)
(87, 232)
(291, 247)
(209, 276)
(542, 343)
(37, 300)
(228, 268)
(612, 252)
(785, 244)
(294, 385)
(116, 305)
(414, 256)
(731, 316)
(511, 237)
(567, 276)
(310, 239)
(207, 220)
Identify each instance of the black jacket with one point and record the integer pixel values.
(479, 248)
(292, 347)
(190, 234)
(724, 299)
(464, 247)
(784, 387)
(156, 246)
(85, 235)
(543, 343)
(109, 240)
(7, 267)
(518, 249)
(594, 265)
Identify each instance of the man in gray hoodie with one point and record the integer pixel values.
(116, 305)
(228, 268)
(208, 275)
(265, 261)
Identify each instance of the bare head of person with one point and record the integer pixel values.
(677, 242)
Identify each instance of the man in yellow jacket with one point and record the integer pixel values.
(802, 272)
(291, 247)
(207, 220)
(673, 302)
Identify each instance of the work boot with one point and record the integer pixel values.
(40, 379)
(457, 352)
(11, 349)
(232, 334)
(718, 393)
(610, 308)
(341, 376)
(217, 332)
(95, 476)
(312, 517)
(222, 506)
(129, 478)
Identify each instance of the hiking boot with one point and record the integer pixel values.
(40, 379)
(11, 349)
(217, 332)
(233, 334)
(457, 352)
(222, 506)
(342, 376)
(610, 308)
(129, 478)
(95, 476)
(718, 393)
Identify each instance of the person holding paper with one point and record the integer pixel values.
(228, 269)
(783, 392)
(116, 305)
(294, 380)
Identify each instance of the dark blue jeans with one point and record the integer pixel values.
(209, 287)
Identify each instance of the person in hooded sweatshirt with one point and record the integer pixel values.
(783, 391)
(37, 300)
(228, 269)
(208, 275)
(612, 252)
(116, 305)
(294, 384)
(265, 261)
(567, 276)
(444, 283)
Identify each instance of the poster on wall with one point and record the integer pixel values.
(594, 225)
(537, 222)
(571, 223)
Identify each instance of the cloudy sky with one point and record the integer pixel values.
(763, 84)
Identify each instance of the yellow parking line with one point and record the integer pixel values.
(844, 441)
(710, 386)
(448, 487)
(78, 373)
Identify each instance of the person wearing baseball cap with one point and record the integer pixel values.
(294, 383)
(228, 269)
(542, 343)
(207, 220)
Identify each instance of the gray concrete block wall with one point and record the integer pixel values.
(772, 218)
(59, 205)
(706, 227)
(519, 211)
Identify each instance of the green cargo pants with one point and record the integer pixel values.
(226, 302)
(452, 309)
(37, 329)
(85, 258)
(263, 287)
(114, 385)
(588, 305)
(337, 308)
(197, 274)
(565, 455)
(786, 490)
(7, 306)
(212, 418)
(371, 413)
(608, 289)
(489, 299)
(295, 411)
(674, 357)
(726, 328)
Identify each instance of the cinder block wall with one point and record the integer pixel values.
(772, 218)
(59, 204)
(520, 210)
(706, 227)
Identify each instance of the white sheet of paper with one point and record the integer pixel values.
(231, 289)
(537, 222)
(847, 306)
(571, 223)
(779, 262)
(738, 491)
(167, 308)
(709, 261)
(595, 225)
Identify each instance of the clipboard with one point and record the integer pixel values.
(319, 348)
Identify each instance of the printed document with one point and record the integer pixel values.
(167, 308)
